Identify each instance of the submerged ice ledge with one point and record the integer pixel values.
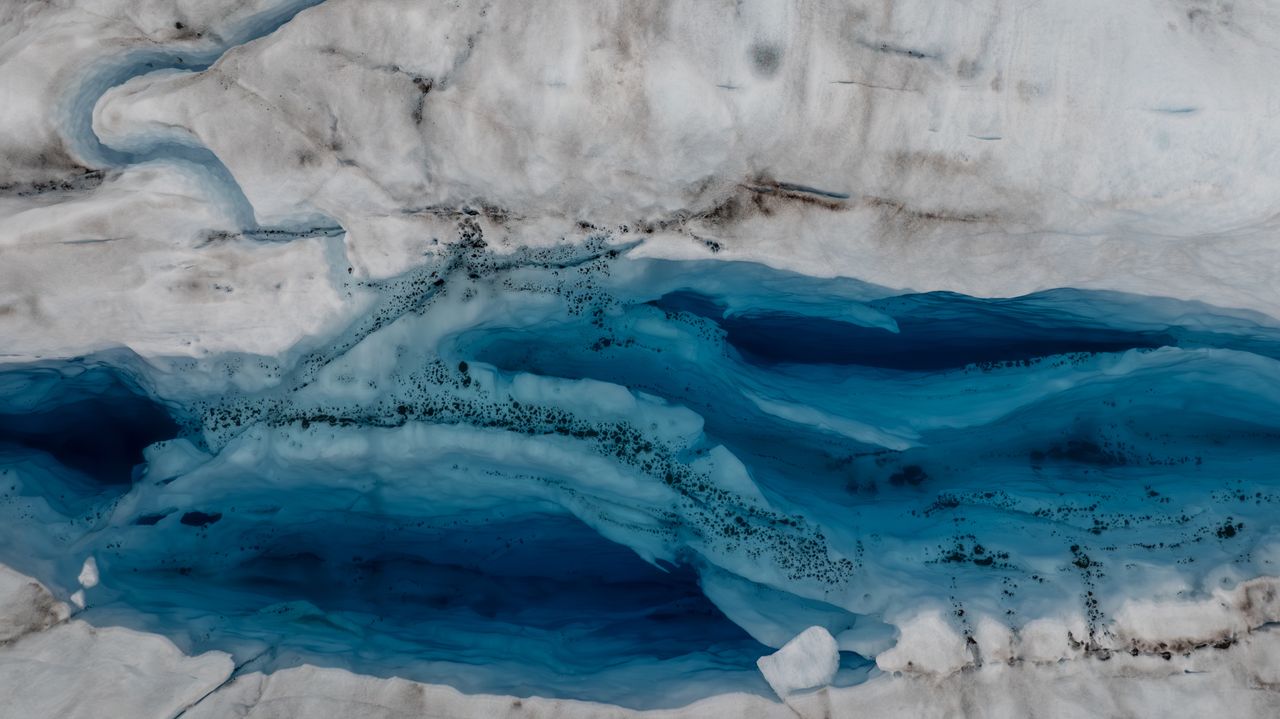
(571, 473)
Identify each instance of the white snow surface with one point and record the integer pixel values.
(986, 147)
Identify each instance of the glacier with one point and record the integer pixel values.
(398, 358)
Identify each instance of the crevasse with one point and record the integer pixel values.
(574, 473)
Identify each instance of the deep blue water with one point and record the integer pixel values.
(572, 473)
(938, 330)
(91, 421)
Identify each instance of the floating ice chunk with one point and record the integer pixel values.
(89, 574)
(809, 660)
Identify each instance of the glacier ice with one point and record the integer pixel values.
(381, 358)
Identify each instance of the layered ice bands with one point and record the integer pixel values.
(566, 358)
